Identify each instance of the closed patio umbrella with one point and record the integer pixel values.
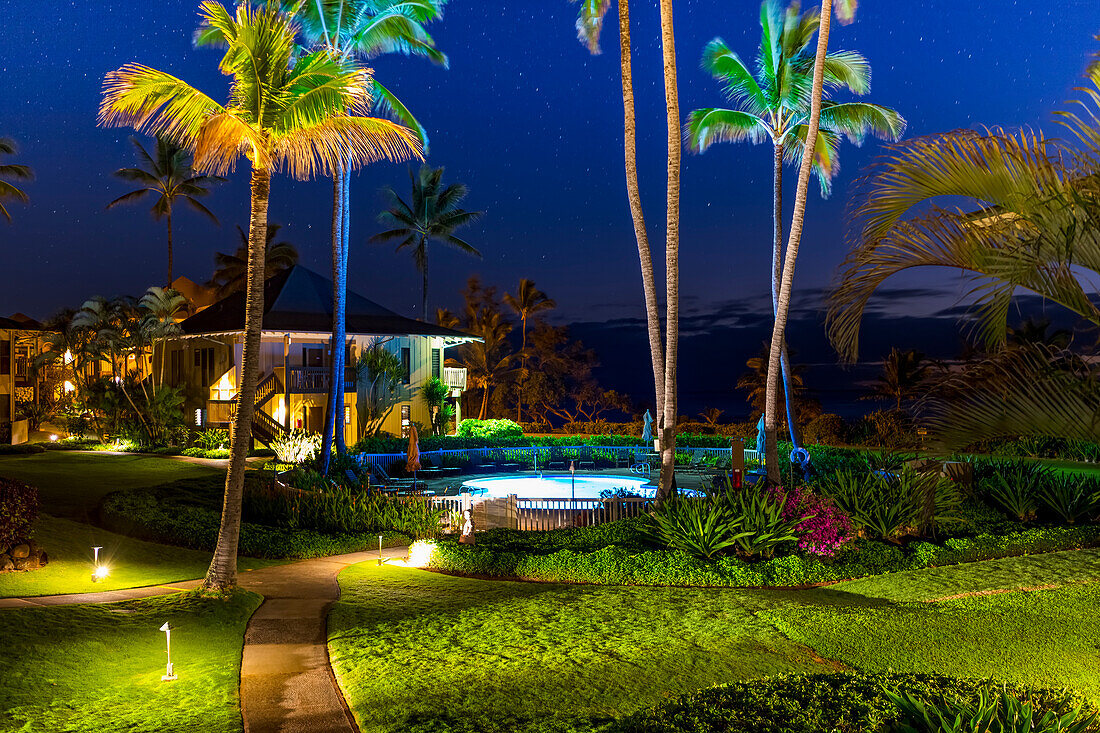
(412, 463)
(647, 428)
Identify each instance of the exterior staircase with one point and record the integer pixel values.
(264, 427)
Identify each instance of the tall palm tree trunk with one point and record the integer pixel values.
(523, 374)
(797, 220)
(777, 271)
(345, 251)
(672, 251)
(339, 297)
(645, 258)
(484, 401)
(169, 245)
(223, 566)
(424, 272)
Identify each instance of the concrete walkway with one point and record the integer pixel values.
(287, 684)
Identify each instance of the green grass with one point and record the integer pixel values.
(133, 563)
(97, 668)
(420, 651)
(72, 484)
(415, 648)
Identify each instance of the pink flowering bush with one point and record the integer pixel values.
(824, 527)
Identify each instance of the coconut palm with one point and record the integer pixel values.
(168, 177)
(773, 105)
(1017, 211)
(361, 29)
(163, 309)
(845, 10)
(489, 361)
(904, 374)
(231, 271)
(664, 356)
(589, 25)
(433, 215)
(527, 303)
(290, 111)
(12, 171)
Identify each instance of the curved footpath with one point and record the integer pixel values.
(287, 683)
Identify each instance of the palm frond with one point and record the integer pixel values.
(156, 103)
(739, 85)
(590, 23)
(389, 106)
(130, 198)
(705, 127)
(858, 119)
(339, 140)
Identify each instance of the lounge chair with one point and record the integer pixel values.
(399, 484)
(557, 461)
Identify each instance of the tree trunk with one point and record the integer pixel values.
(793, 240)
(672, 251)
(484, 402)
(645, 258)
(169, 244)
(223, 567)
(338, 204)
(523, 373)
(424, 272)
(345, 251)
(777, 265)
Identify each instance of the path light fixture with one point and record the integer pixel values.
(170, 674)
(99, 572)
(379, 549)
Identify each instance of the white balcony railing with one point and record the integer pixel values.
(454, 377)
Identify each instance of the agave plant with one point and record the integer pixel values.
(759, 514)
(697, 527)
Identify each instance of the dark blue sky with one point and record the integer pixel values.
(532, 124)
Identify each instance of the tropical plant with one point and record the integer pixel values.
(1016, 486)
(845, 10)
(296, 446)
(435, 393)
(433, 215)
(698, 527)
(755, 383)
(763, 528)
(231, 270)
(361, 29)
(995, 710)
(903, 375)
(211, 439)
(1070, 497)
(298, 112)
(162, 309)
(168, 177)
(378, 374)
(774, 104)
(14, 172)
(527, 303)
(490, 361)
(1030, 219)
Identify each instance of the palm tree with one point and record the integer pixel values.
(845, 10)
(904, 374)
(286, 110)
(589, 25)
(162, 307)
(528, 302)
(350, 29)
(773, 106)
(1016, 210)
(489, 361)
(1037, 331)
(755, 382)
(433, 215)
(231, 271)
(13, 171)
(168, 177)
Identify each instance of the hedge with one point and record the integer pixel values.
(853, 703)
(141, 513)
(377, 444)
(616, 565)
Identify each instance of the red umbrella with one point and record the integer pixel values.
(412, 464)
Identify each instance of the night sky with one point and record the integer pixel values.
(533, 125)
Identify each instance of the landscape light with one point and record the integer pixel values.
(169, 674)
(53, 438)
(379, 549)
(99, 572)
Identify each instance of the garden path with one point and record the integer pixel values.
(287, 684)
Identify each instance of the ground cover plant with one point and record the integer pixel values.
(418, 651)
(74, 667)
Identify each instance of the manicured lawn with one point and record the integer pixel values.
(132, 562)
(98, 668)
(419, 651)
(72, 484)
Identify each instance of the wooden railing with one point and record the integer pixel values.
(455, 377)
(315, 380)
(539, 515)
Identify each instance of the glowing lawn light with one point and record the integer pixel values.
(53, 438)
(169, 674)
(99, 572)
(379, 549)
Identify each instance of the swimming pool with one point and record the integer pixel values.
(558, 487)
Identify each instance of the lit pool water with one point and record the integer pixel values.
(558, 486)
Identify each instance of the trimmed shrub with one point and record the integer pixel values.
(616, 565)
(23, 449)
(18, 510)
(853, 703)
(491, 429)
